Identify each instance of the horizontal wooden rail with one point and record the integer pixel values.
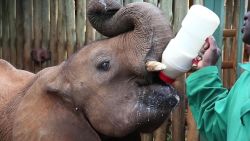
(229, 32)
(227, 65)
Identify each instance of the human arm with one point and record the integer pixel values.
(207, 96)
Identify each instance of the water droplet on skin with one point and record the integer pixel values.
(148, 110)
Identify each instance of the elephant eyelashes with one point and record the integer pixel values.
(104, 66)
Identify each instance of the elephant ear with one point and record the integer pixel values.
(61, 87)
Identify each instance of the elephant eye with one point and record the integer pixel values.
(104, 66)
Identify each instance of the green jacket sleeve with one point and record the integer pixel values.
(207, 100)
(245, 118)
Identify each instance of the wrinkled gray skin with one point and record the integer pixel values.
(103, 92)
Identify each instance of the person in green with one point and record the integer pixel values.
(220, 114)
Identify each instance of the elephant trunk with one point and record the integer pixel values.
(144, 28)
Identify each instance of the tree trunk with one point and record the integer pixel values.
(53, 31)
(80, 22)
(27, 7)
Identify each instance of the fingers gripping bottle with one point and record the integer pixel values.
(197, 25)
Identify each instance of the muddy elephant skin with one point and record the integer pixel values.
(101, 93)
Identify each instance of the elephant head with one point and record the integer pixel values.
(107, 80)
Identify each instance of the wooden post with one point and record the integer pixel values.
(37, 23)
(45, 26)
(80, 22)
(37, 12)
(146, 137)
(198, 2)
(19, 33)
(1, 29)
(166, 7)
(12, 30)
(53, 31)
(161, 132)
(218, 7)
(27, 7)
(227, 42)
(241, 11)
(192, 131)
(154, 2)
(61, 31)
(5, 47)
(90, 32)
(178, 116)
(70, 26)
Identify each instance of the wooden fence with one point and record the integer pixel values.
(61, 27)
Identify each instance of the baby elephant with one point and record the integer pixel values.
(101, 93)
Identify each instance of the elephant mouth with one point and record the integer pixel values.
(155, 102)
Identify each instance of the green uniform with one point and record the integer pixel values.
(220, 114)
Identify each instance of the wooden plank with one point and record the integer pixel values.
(70, 26)
(178, 116)
(5, 47)
(27, 7)
(19, 33)
(61, 31)
(80, 23)
(12, 30)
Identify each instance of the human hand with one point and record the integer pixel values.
(208, 55)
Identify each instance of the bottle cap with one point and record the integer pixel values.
(166, 78)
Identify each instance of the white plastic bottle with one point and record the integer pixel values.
(197, 25)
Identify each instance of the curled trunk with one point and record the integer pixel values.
(144, 30)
